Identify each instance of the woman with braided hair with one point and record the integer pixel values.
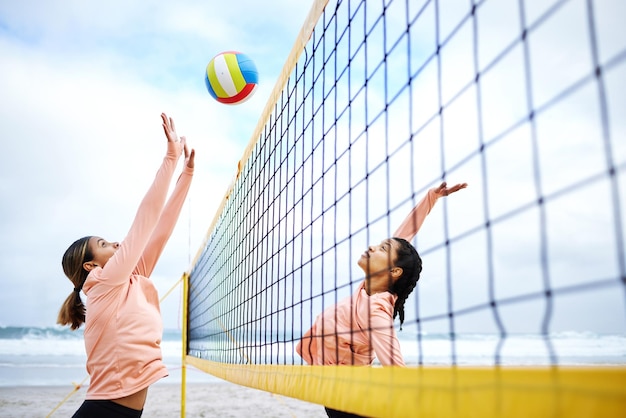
(123, 326)
(360, 327)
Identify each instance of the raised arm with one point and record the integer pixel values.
(409, 227)
(168, 218)
(119, 268)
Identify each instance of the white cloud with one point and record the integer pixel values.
(83, 86)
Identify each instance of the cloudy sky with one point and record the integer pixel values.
(553, 266)
(83, 86)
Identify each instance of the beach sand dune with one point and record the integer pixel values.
(220, 399)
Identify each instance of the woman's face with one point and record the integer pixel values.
(102, 251)
(379, 258)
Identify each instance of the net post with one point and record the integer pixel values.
(183, 369)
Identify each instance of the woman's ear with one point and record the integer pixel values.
(396, 273)
(89, 265)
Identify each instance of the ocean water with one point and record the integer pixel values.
(55, 356)
(31, 356)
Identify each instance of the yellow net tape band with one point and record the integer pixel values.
(440, 392)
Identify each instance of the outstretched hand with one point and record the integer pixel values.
(172, 137)
(189, 156)
(444, 190)
(413, 222)
(169, 128)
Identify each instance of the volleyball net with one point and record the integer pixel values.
(378, 102)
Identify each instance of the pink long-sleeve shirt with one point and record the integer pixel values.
(123, 326)
(360, 327)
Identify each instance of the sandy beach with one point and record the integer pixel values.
(222, 399)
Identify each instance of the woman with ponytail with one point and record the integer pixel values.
(360, 327)
(123, 326)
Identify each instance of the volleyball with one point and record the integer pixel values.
(231, 77)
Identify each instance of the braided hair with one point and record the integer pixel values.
(410, 262)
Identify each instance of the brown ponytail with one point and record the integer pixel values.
(72, 312)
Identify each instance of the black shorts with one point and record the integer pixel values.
(105, 409)
(333, 413)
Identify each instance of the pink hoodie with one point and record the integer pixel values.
(123, 325)
(360, 327)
